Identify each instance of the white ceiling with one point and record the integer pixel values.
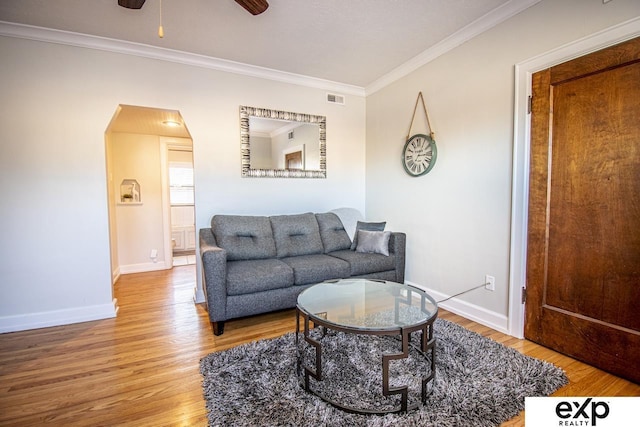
(354, 42)
(148, 121)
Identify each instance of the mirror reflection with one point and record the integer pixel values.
(282, 144)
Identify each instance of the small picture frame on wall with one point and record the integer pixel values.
(130, 191)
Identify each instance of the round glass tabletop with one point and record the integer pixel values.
(367, 305)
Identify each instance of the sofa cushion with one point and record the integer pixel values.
(296, 235)
(244, 237)
(332, 233)
(376, 242)
(368, 226)
(246, 277)
(365, 263)
(316, 268)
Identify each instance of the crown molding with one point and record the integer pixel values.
(488, 21)
(477, 27)
(48, 35)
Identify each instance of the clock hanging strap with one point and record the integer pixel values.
(424, 107)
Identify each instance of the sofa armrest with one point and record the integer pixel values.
(214, 272)
(397, 246)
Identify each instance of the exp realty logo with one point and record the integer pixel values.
(580, 411)
(586, 413)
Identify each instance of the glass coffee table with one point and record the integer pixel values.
(357, 308)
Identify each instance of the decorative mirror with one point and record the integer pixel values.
(282, 144)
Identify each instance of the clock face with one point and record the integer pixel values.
(419, 155)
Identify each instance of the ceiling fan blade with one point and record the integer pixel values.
(254, 7)
(131, 4)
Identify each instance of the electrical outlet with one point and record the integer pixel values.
(489, 283)
(154, 254)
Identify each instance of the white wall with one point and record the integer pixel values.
(57, 103)
(457, 217)
(139, 226)
(112, 198)
(261, 156)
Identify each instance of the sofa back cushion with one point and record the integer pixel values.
(296, 235)
(244, 237)
(334, 236)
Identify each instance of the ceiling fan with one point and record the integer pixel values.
(254, 7)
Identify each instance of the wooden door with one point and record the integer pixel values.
(583, 255)
(293, 160)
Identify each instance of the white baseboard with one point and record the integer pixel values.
(115, 276)
(493, 320)
(143, 268)
(68, 316)
(198, 295)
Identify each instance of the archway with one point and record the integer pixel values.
(138, 142)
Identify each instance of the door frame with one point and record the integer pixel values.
(166, 144)
(521, 145)
(165, 201)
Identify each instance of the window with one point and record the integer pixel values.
(181, 183)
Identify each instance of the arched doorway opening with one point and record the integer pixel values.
(140, 145)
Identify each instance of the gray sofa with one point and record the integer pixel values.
(258, 264)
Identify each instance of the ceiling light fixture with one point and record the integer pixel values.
(171, 123)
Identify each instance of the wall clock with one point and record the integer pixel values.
(419, 155)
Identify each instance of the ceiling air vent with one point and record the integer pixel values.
(335, 99)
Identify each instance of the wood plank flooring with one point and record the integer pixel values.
(142, 368)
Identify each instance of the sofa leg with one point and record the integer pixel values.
(218, 328)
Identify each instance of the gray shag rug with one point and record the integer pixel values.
(478, 382)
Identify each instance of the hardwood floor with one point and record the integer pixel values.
(142, 368)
